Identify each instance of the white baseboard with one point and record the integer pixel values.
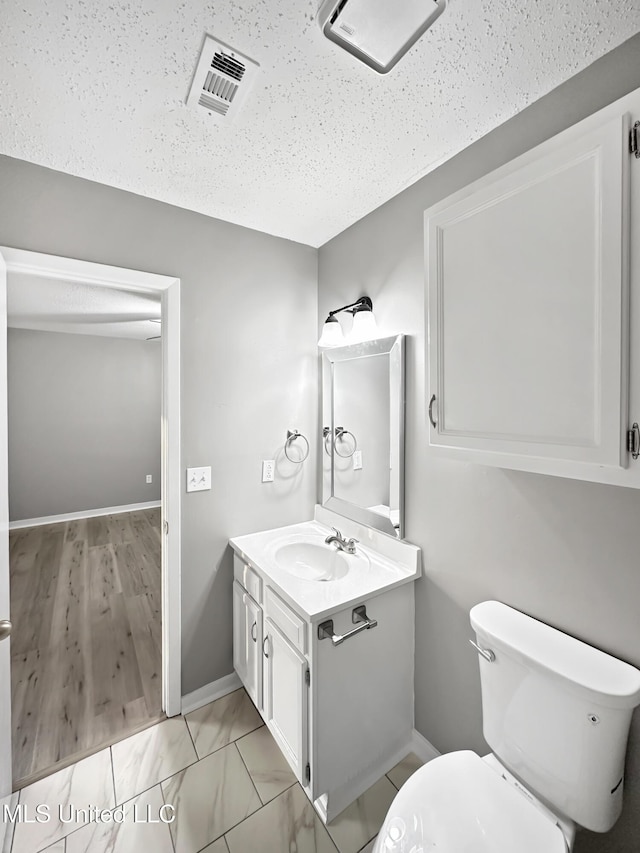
(210, 692)
(86, 513)
(422, 748)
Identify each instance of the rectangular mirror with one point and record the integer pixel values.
(363, 433)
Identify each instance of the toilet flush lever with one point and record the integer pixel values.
(487, 654)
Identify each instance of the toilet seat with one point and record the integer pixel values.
(458, 804)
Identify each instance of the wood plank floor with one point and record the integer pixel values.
(86, 643)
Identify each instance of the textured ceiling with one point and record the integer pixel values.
(51, 305)
(98, 90)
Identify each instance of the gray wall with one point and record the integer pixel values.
(564, 551)
(84, 422)
(249, 366)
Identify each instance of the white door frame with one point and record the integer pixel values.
(5, 656)
(85, 272)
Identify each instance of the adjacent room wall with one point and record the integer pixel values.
(564, 551)
(248, 365)
(84, 422)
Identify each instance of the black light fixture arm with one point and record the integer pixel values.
(363, 303)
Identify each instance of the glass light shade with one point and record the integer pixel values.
(364, 327)
(331, 334)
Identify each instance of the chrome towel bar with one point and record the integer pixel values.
(358, 617)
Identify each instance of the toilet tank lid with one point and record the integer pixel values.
(609, 680)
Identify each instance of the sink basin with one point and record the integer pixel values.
(311, 562)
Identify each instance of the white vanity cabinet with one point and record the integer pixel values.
(533, 340)
(286, 673)
(342, 714)
(248, 642)
(274, 672)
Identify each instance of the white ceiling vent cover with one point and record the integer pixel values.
(378, 32)
(222, 80)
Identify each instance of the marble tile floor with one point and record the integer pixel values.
(217, 771)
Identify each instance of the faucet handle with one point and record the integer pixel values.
(337, 532)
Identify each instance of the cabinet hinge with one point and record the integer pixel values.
(633, 441)
(307, 773)
(307, 677)
(634, 139)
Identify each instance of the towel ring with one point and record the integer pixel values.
(291, 436)
(326, 432)
(340, 433)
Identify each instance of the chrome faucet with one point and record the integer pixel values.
(342, 544)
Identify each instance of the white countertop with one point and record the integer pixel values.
(370, 572)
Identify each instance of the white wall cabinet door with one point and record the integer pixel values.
(247, 642)
(528, 315)
(285, 698)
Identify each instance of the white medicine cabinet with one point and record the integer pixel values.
(533, 308)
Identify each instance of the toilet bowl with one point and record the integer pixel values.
(461, 803)
(556, 714)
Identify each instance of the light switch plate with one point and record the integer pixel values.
(357, 460)
(198, 479)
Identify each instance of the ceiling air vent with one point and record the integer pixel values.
(222, 80)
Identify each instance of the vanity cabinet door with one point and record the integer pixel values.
(285, 698)
(528, 314)
(247, 642)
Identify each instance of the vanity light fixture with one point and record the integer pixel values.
(364, 325)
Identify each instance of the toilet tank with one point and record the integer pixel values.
(556, 712)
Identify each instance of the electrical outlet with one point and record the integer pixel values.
(198, 479)
(357, 460)
(268, 470)
(149, 478)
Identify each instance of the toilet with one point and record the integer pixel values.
(556, 715)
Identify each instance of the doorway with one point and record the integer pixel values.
(128, 556)
(86, 657)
